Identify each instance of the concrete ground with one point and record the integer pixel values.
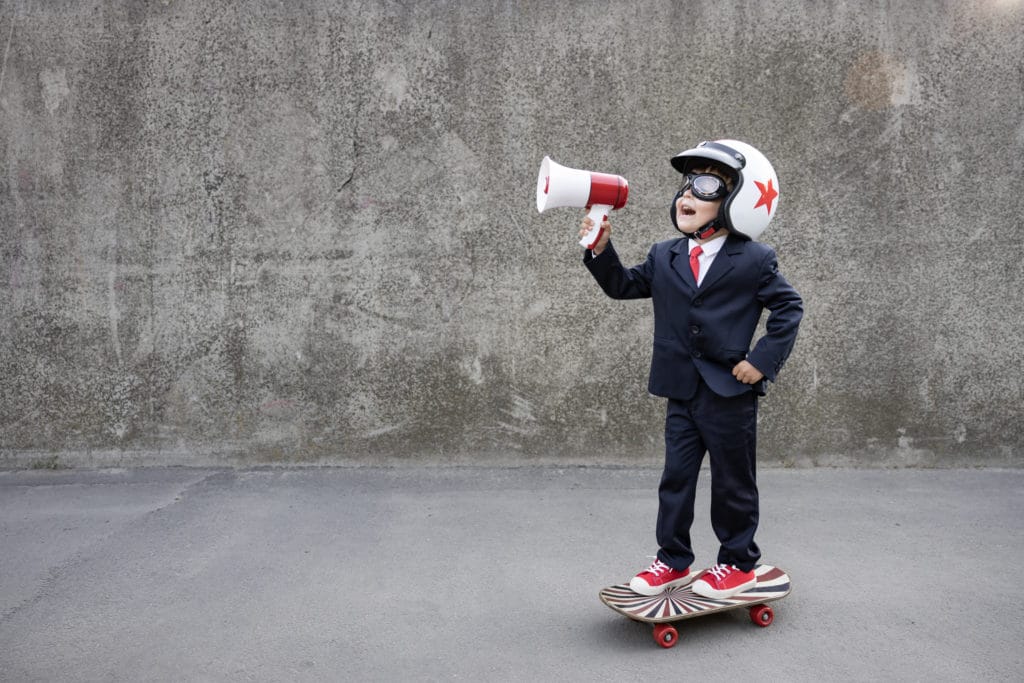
(492, 574)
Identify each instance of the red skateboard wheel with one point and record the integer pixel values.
(666, 635)
(762, 615)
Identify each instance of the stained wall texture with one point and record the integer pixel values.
(276, 232)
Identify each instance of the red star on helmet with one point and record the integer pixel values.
(768, 195)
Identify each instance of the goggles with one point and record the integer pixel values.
(705, 186)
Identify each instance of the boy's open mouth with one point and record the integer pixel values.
(688, 211)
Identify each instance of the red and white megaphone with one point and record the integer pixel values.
(599, 192)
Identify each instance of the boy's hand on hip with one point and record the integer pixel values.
(747, 373)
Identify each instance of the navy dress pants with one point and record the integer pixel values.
(726, 429)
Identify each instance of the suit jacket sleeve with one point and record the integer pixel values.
(617, 281)
(786, 309)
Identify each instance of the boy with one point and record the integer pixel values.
(708, 289)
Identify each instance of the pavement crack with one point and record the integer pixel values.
(48, 584)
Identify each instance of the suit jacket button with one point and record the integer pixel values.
(698, 301)
(698, 354)
(694, 329)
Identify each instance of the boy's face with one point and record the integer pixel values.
(692, 214)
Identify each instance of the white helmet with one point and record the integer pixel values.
(749, 208)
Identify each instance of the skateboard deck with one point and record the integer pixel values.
(675, 604)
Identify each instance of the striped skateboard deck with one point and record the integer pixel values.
(682, 603)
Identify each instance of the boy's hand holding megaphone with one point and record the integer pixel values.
(605, 234)
(600, 193)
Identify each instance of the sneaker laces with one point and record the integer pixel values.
(658, 567)
(720, 571)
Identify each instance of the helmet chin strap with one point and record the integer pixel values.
(703, 233)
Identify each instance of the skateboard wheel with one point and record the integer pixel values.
(762, 615)
(666, 635)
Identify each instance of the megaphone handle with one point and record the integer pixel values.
(598, 214)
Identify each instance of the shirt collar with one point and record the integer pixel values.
(708, 248)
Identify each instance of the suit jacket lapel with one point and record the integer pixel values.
(719, 267)
(680, 256)
(722, 263)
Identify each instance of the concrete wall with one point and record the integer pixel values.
(306, 232)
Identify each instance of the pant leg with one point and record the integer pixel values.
(684, 451)
(729, 428)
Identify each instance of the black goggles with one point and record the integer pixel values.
(705, 186)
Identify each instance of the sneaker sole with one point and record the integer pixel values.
(704, 589)
(650, 591)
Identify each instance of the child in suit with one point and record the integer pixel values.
(708, 289)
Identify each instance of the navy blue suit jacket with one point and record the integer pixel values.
(704, 332)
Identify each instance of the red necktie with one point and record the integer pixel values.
(695, 262)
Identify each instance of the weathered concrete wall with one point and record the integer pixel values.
(305, 231)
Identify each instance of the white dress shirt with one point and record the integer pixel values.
(707, 256)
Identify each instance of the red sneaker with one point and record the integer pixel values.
(659, 577)
(724, 581)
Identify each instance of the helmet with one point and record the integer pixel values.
(749, 208)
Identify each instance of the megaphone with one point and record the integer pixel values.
(600, 192)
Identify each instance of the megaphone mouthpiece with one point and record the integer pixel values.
(606, 188)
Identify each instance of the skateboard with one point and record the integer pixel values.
(675, 604)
